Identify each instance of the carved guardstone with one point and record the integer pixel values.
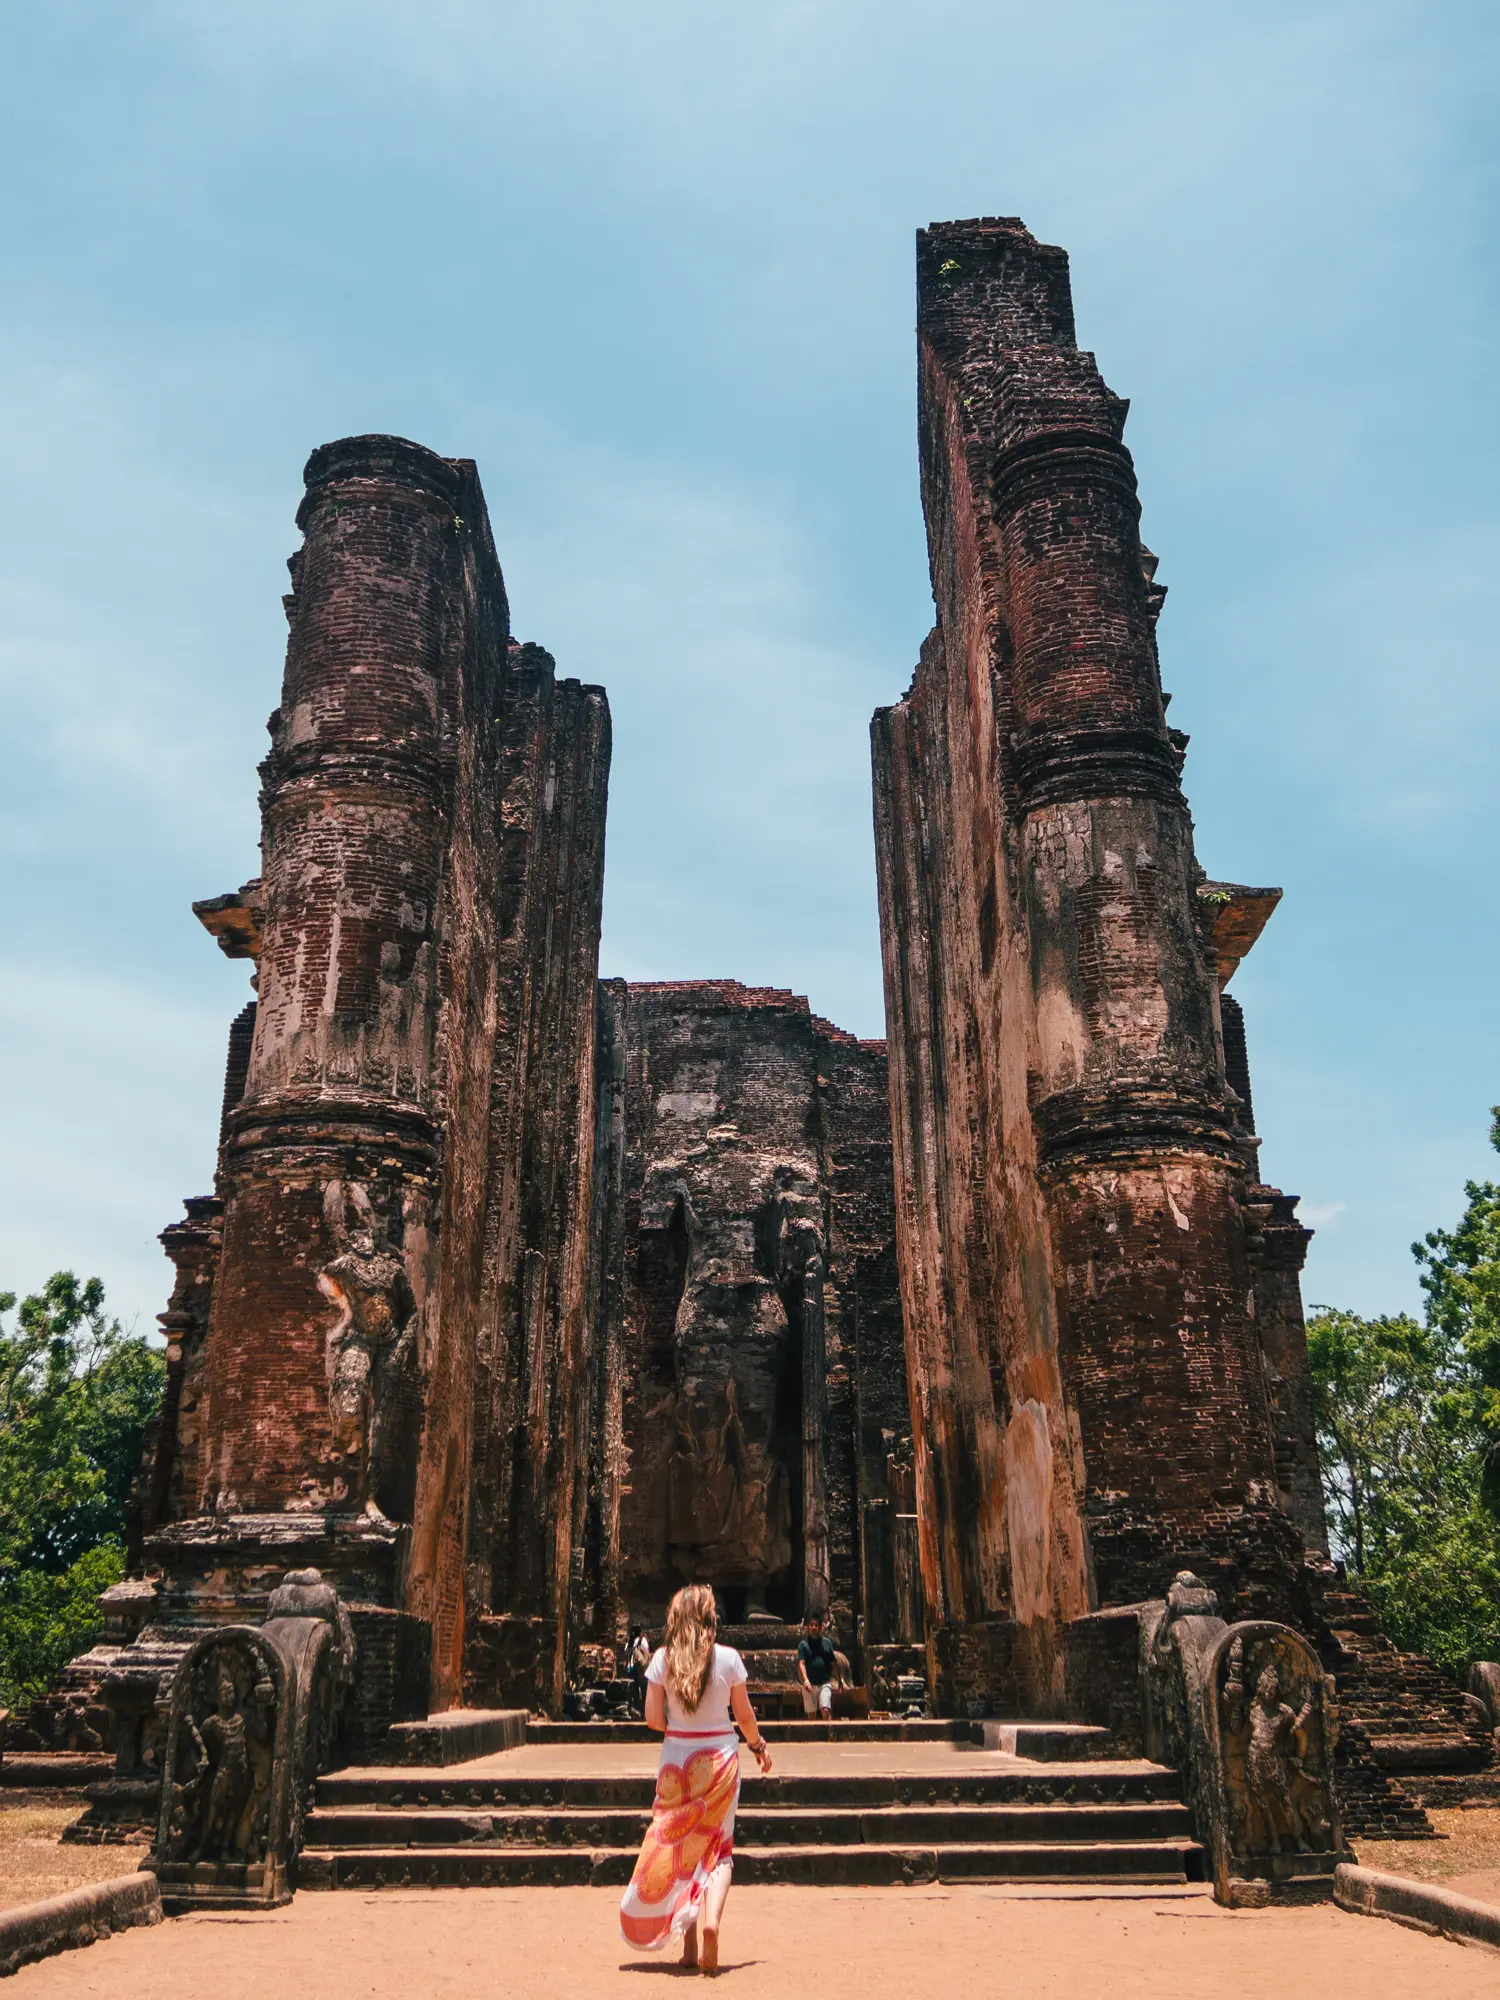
(251, 1718)
(1248, 1715)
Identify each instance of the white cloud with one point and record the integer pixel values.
(1321, 1215)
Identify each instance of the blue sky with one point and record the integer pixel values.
(651, 266)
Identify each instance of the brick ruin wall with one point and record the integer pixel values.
(750, 1406)
(1090, 1396)
(426, 931)
(592, 1287)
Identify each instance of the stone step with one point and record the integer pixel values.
(757, 1636)
(1045, 1742)
(756, 1826)
(1058, 1785)
(42, 1770)
(455, 1736)
(892, 1729)
(1428, 1753)
(769, 1666)
(863, 1865)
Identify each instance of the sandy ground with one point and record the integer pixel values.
(889, 1944)
(1038, 1941)
(33, 1861)
(1468, 1860)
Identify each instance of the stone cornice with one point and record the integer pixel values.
(1059, 766)
(382, 471)
(365, 771)
(329, 1121)
(1063, 458)
(1130, 1124)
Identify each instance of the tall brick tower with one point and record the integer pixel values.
(394, 1269)
(1089, 1401)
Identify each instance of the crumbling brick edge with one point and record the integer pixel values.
(1422, 1905)
(77, 1917)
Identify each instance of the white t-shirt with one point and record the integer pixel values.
(713, 1712)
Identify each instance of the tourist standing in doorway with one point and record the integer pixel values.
(636, 1662)
(817, 1668)
(695, 1693)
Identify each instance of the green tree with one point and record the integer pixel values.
(1408, 1416)
(1403, 1461)
(1461, 1277)
(1390, 1433)
(1402, 1456)
(76, 1394)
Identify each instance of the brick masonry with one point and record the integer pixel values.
(404, 1175)
(751, 1422)
(1092, 1400)
(522, 1298)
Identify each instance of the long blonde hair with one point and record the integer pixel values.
(692, 1621)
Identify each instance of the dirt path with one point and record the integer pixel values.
(33, 1861)
(1467, 1859)
(881, 1945)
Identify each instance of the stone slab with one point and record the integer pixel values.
(77, 1917)
(455, 1736)
(1045, 1742)
(1423, 1906)
(44, 1770)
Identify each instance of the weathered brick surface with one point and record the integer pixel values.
(1278, 1248)
(1089, 1396)
(406, 1146)
(751, 1410)
(535, 1357)
(1102, 1676)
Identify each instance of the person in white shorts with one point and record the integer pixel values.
(817, 1668)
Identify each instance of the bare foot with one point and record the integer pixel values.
(710, 1960)
(689, 1946)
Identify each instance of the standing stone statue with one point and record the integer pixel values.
(1278, 1733)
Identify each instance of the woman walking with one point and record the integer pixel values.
(695, 1692)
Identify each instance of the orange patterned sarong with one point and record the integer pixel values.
(690, 1835)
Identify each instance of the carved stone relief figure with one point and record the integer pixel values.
(222, 1769)
(723, 1434)
(369, 1347)
(1277, 1753)
(728, 1506)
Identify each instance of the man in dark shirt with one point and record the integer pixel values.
(817, 1668)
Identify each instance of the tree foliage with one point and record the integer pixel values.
(76, 1394)
(1461, 1277)
(1408, 1415)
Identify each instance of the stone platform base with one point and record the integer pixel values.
(78, 1917)
(862, 1810)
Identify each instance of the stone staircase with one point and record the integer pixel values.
(1409, 1737)
(769, 1649)
(770, 1655)
(909, 1814)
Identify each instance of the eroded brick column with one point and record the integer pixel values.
(331, 1158)
(1069, 1178)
